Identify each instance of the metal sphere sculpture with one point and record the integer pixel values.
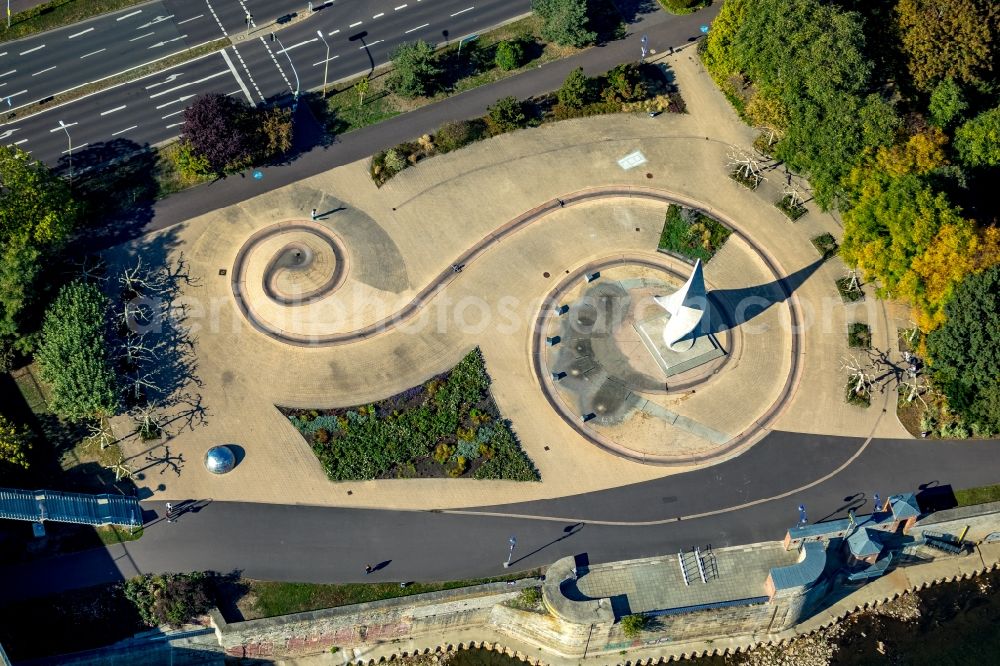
(220, 459)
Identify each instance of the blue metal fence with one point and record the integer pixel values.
(80, 508)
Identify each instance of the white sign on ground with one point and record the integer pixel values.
(632, 160)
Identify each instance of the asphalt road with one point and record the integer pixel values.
(316, 544)
(361, 35)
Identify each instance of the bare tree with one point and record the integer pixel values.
(92, 269)
(121, 468)
(101, 432)
(745, 165)
(860, 377)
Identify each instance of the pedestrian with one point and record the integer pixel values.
(314, 214)
(368, 569)
(561, 203)
(456, 268)
(170, 511)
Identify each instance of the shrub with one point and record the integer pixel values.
(443, 452)
(275, 133)
(394, 161)
(415, 69)
(509, 55)
(321, 436)
(458, 467)
(507, 115)
(565, 21)
(624, 83)
(849, 293)
(188, 162)
(826, 245)
(862, 399)
(169, 598)
(683, 6)
(455, 135)
(468, 450)
(221, 130)
(859, 335)
(15, 443)
(577, 90)
(791, 208)
(632, 625)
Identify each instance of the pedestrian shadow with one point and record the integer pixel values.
(381, 565)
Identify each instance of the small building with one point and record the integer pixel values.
(864, 545)
(905, 511)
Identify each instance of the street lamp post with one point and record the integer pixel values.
(64, 127)
(295, 97)
(326, 63)
(510, 555)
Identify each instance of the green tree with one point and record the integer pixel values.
(632, 625)
(14, 444)
(74, 355)
(275, 132)
(565, 21)
(624, 83)
(576, 90)
(415, 69)
(506, 115)
(37, 214)
(361, 89)
(964, 351)
(947, 103)
(170, 598)
(510, 55)
(947, 39)
(978, 140)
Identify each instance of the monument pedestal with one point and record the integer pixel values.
(705, 348)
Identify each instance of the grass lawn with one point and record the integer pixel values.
(980, 495)
(692, 233)
(268, 599)
(58, 13)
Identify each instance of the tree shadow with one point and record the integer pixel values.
(115, 182)
(633, 10)
(729, 308)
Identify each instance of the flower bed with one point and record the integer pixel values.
(692, 233)
(448, 426)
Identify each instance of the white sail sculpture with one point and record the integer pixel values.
(686, 307)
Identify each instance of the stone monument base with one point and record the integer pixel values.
(705, 348)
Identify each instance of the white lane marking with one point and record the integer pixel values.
(80, 33)
(124, 130)
(327, 60)
(189, 83)
(377, 41)
(31, 50)
(166, 41)
(158, 19)
(18, 143)
(216, 17)
(122, 18)
(277, 64)
(417, 28)
(179, 99)
(2, 85)
(379, 15)
(295, 46)
(164, 81)
(60, 128)
(355, 25)
(400, 7)
(6, 135)
(20, 92)
(174, 125)
(87, 55)
(47, 69)
(148, 34)
(236, 75)
(77, 147)
(172, 114)
(190, 19)
(331, 34)
(249, 75)
(6, 73)
(3, 54)
(117, 108)
(467, 9)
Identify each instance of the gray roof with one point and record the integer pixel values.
(864, 543)
(84, 509)
(803, 573)
(904, 506)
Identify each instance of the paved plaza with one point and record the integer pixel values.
(385, 311)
